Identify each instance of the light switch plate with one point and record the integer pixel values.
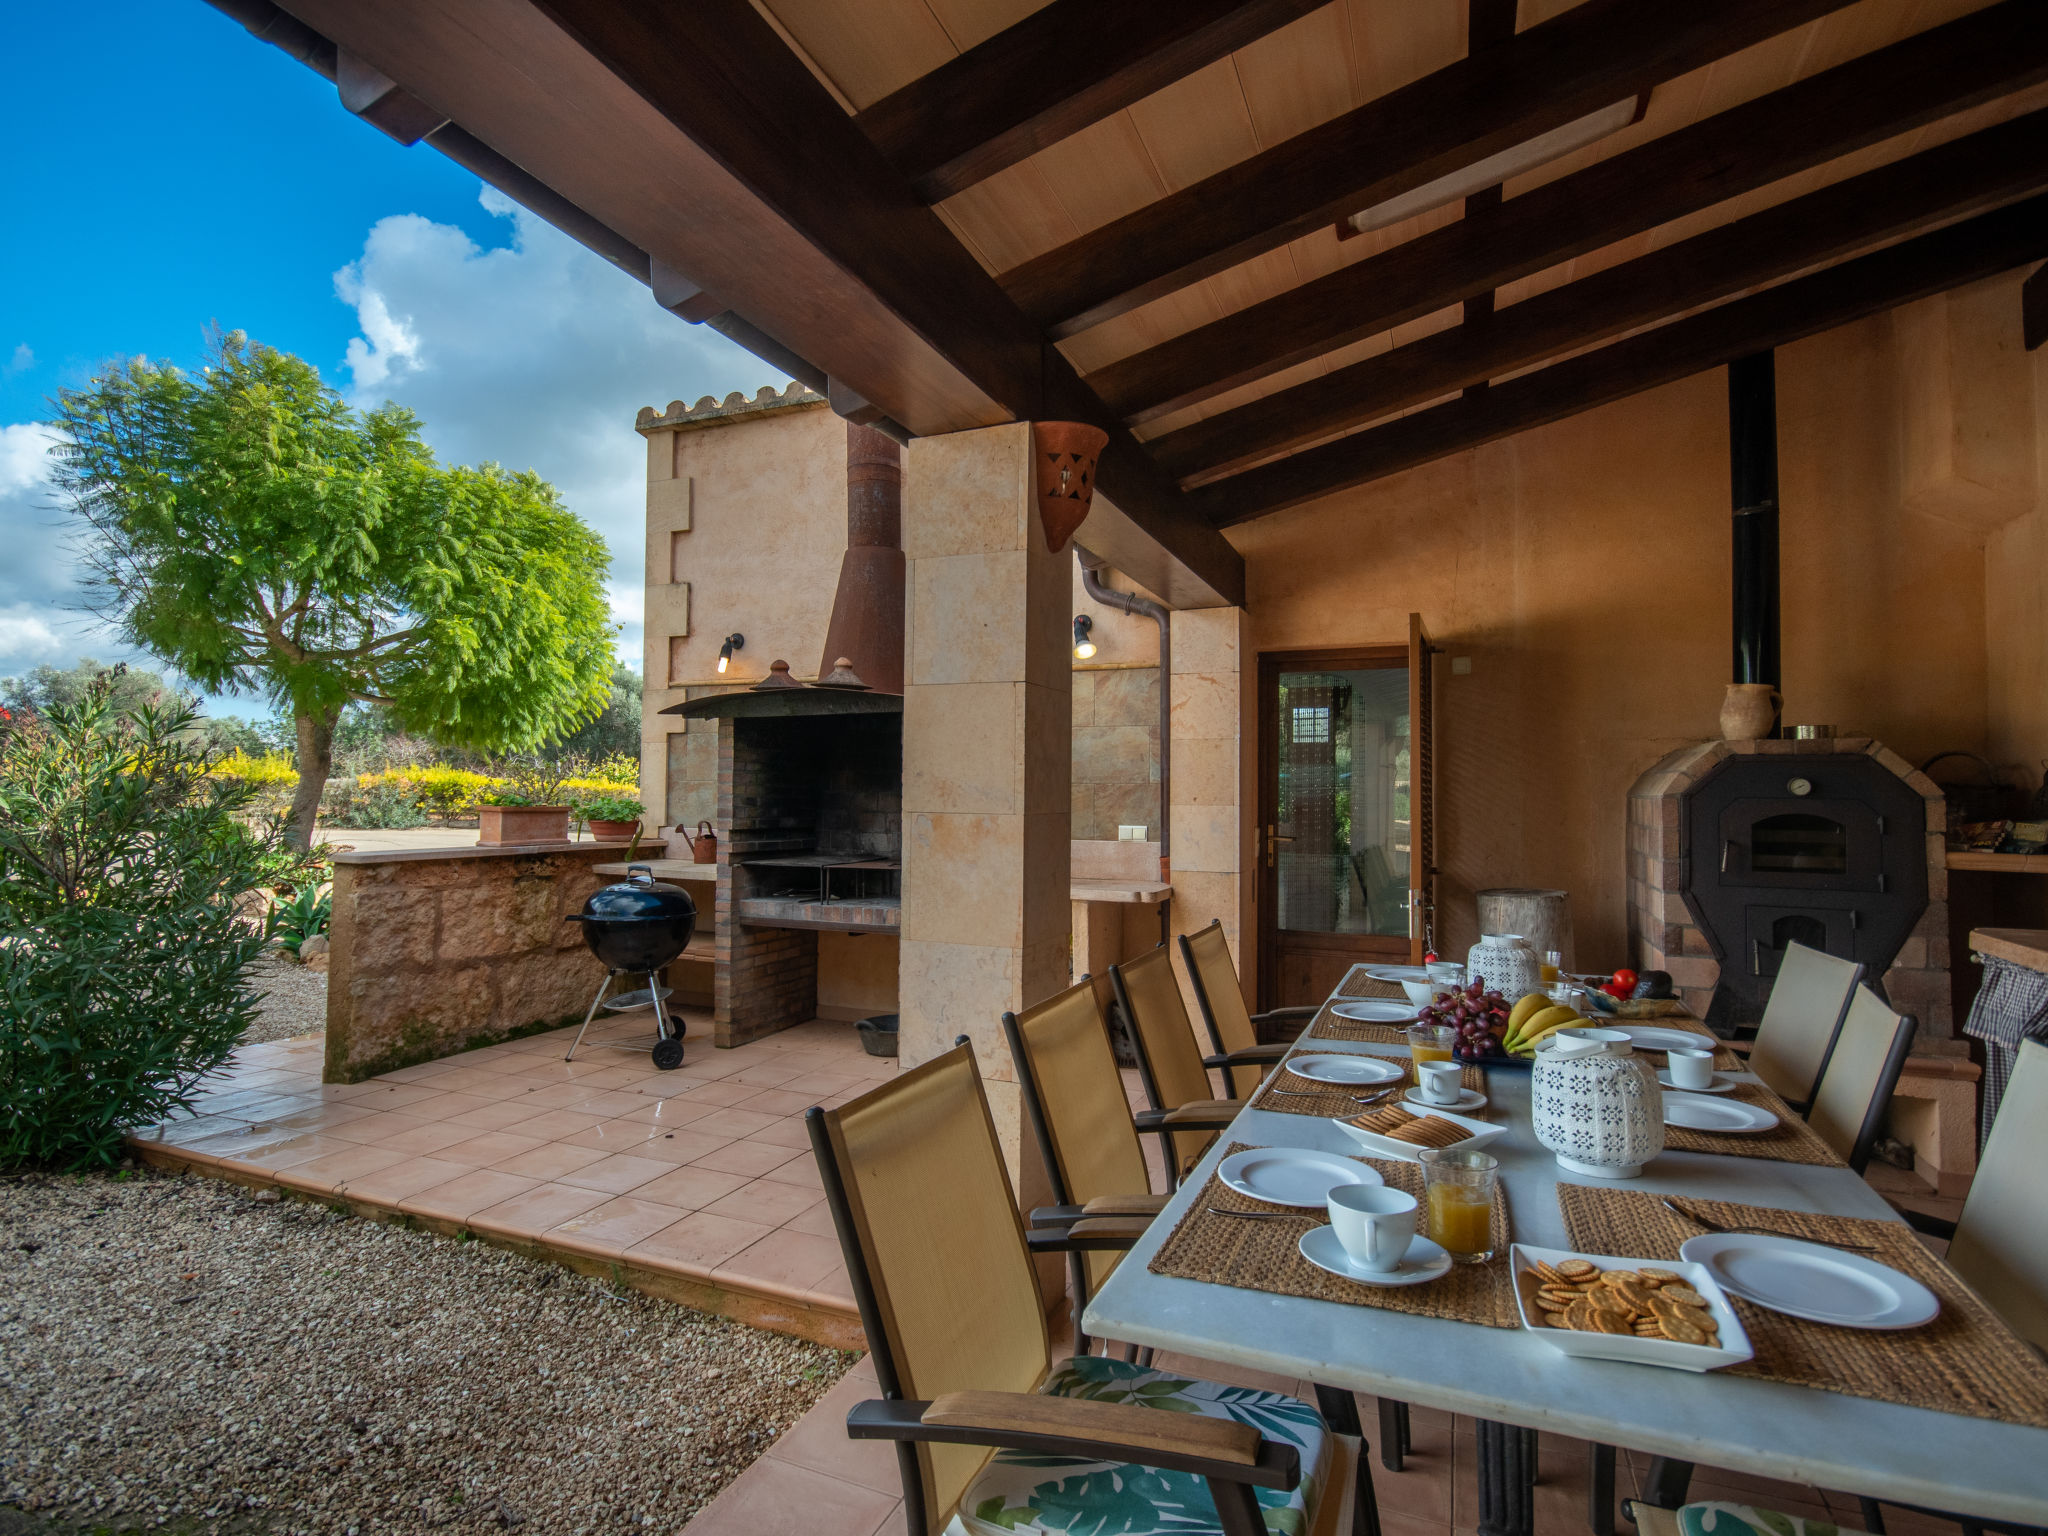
(1130, 834)
(1460, 665)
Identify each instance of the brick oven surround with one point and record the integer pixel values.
(1666, 930)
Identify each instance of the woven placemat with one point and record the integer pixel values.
(1264, 1256)
(1328, 1026)
(1725, 1060)
(1791, 1140)
(1288, 1094)
(1966, 1361)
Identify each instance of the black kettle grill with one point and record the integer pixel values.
(636, 927)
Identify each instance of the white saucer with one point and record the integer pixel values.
(1375, 1010)
(1822, 1285)
(1468, 1100)
(1291, 1176)
(1725, 1117)
(1348, 1071)
(1424, 1261)
(1722, 1083)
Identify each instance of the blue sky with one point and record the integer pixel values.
(169, 172)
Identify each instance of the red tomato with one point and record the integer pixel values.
(1625, 978)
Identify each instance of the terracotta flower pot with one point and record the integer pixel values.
(1748, 711)
(498, 825)
(1065, 455)
(613, 831)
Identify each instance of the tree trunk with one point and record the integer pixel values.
(316, 761)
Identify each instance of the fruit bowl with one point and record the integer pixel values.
(1511, 1061)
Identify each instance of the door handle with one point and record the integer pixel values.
(1274, 837)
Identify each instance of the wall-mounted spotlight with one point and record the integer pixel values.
(1084, 647)
(733, 642)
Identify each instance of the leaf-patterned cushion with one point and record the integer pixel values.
(1712, 1517)
(1019, 1492)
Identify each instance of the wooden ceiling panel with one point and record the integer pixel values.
(1396, 42)
(1298, 76)
(968, 22)
(863, 51)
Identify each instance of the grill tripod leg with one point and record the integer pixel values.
(602, 988)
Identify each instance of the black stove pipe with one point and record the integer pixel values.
(1753, 477)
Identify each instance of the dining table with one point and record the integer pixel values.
(1514, 1383)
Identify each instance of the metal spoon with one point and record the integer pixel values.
(1797, 1237)
(1217, 1210)
(1296, 1093)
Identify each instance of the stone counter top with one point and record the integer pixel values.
(1145, 893)
(663, 869)
(2021, 946)
(477, 851)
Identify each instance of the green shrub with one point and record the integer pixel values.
(293, 920)
(381, 805)
(606, 807)
(122, 963)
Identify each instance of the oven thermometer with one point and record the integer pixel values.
(1800, 787)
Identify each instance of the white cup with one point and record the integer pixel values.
(1374, 1224)
(1690, 1067)
(1441, 1082)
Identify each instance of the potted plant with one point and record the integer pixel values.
(610, 817)
(525, 805)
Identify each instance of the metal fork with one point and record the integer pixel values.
(1217, 1210)
(1798, 1237)
(1296, 1093)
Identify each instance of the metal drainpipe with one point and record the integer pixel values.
(1092, 566)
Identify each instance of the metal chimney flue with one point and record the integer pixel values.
(867, 607)
(1753, 477)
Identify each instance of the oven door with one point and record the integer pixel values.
(1769, 930)
(1799, 844)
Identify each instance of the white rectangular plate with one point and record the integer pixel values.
(1408, 1152)
(1733, 1350)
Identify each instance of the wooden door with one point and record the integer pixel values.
(1346, 834)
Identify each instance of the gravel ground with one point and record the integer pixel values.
(183, 1353)
(294, 999)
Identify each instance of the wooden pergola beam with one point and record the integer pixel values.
(1928, 264)
(1554, 73)
(1963, 177)
(1069, 64)
(1858, 103)
(2034, 309)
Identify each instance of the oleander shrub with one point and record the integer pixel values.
(381, 804)
(123, 965)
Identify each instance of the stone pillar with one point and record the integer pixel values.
(1215, 778)
(987, 748)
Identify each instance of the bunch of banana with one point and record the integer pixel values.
(1532, 1018)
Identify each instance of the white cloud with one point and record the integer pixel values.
(24, 456)
(535, 355)
(25, 632)
(24, 358)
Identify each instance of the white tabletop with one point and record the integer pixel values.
(1848, 1444)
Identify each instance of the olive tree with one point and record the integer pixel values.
(249, 527)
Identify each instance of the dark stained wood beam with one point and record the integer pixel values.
(1069, 64)
(728, 83)
(1861, 102)
(2034, 308)
(1554, 73)
(1965, 176)
(1928, 264)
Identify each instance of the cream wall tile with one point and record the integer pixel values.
(1206, 774)
(1208, 640)
(961, 748)
(968, 492)
(1205, 838)
(1205, 706)
(963, 878)
(968, 616)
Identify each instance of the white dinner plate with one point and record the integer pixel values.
(1730, 1117)
(1398, 973)
(1722, 1083)
(1375, 1010)
(1469, 1099)
(1422, 1262)
(1651, 1037)
(1347, 1070)
(1822, 1285)
(1290, 1176)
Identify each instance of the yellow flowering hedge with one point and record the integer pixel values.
(439, 791)
(270, 769)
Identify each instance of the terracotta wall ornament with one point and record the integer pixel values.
(1748, 711)
(1065, 453)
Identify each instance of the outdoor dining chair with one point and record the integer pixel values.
(1233, 1029)
(1801, 1021)
(1075, 1104)
(987, 1429)
(1169, 1061)
(1856, 1085)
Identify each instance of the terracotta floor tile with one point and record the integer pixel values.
(780, 1498)
(833, 1289)
(768, 1074)
(615, 1175)
(818, 1441)
(552, 1096)
(752, 1158)
(618, 1076)
(183, 1133)
(778, 1101)
(699, 1242)
(767, 1203)
(816, 1221)
(791, 1135)
(667, 1114)
(663, 1085)
(325, 1174)
(422, 1140)
(506, 1114)
(800, 1172)
(615, 1226)
(733, 1122)
(539, 1210)
(707, 1066)
(550, 1160)
(550, 1124)
(725, 1094)
(492, 1148)
(460, 1197)
(237, 1145)
(793, 1259)
(323, 1115)
(692, 1188)
(389, 1095)
(424, 1072)
(822, 1083)
(612, 1135)
(680, 1146)
(282, 1155)
(388, 1186)
(610, 1103)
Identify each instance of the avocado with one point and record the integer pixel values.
(1653, 984)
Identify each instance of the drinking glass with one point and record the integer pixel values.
(1458, 1198)
(1430, 1042)
(1553, 963)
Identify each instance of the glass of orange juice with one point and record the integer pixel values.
(1431, 1042)
(1458, 1202)
(1553, 964)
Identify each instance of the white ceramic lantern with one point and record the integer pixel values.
(1506, 963)
(1596, 1102)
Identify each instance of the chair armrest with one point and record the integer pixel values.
(1095, 1234)
(1055, 1215)
(1126, 1205)
(1187, 1118)
(1250, 1056)
(1739, 1047)
(1073, 1426)
(1299, 1011)
(1932, 1226)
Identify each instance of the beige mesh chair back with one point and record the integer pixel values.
(1861, 1071)
(2001, 1241)
(1214, 973)
(1169, 1058)
(1801, 1021)
(942, 1268)
(1074, 1099)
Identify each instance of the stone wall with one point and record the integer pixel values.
(439, 951)
(1116, 751)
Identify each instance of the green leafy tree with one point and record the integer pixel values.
(251, 529)
(132, 687)
(616, 730)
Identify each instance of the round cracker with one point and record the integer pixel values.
(1684, 1295)
(1576, 1269)
(1658, 1276)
